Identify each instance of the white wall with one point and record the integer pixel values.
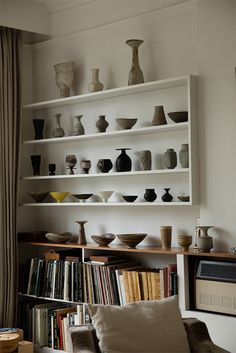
(196, 38)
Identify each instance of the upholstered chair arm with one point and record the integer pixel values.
(199, 338)
(84, 339)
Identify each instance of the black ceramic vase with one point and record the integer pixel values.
(36, 161)
(104, 165)
(38, 128)
(123, 161)
(150, 195)
(167, 197)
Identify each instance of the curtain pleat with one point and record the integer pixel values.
(10, 123)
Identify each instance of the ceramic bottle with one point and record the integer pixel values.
(95, 85)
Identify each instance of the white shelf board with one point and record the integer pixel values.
(114, 92)
(106, 175)
(105, 204)
(109, 134)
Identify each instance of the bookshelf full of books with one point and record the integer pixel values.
(55, 292)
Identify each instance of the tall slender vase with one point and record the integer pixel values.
(95, 85)
(78, 126)
(58, 131)
(38, 128)
(36, 162)
(82, 237)
(135, 74)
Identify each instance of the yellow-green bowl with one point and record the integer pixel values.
(59, 196)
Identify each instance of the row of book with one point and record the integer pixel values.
(56, 279)
(125, 282)
(47, 324)
(115, 281)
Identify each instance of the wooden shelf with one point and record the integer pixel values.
(111, 93)
(110, 134)
(107, 175)
(138, 249)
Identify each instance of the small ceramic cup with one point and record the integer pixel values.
(184, 241)
(166, 235)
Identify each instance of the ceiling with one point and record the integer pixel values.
(53, 6)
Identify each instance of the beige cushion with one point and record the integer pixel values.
(140, 327)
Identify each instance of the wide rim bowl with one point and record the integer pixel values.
(178, 117)
(131, 239)
(126, 123)
(129, 198)
(103, 239)
(82, 196)
(59, 196)
(39, 196)
(58, 238)
(183, 198)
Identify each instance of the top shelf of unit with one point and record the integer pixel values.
(114, 92)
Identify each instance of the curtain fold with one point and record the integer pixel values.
(10, 123)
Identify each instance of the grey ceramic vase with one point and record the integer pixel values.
(159, 117)
(58, 131)
(170, 159)
(102, 124)
(78, 128)
(145, 160)
(184, 156)
(204, 241)
(95, 85)
(135, 74)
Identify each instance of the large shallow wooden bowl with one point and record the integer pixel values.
(131, 239)
(103, 239)
(9, 342)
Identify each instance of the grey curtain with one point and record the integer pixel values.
(10, 118)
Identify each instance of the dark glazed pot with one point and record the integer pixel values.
(36, 161)
(123, 161)
(102, 124)
(167, 197)
(38, 128)
(104, 165)
(150, 195)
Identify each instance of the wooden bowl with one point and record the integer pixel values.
(126, 123)
(184, 241)
(103, 239)
(178, 117)
(131, 239)
(9, 342)
(58, 238)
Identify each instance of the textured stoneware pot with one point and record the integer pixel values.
(36, 162)
(64, 77)
(38, 128)
(71, 161)
(166, 235)
(150, 195)
(145, 160)
(204, 241)
(167, 197)
(102, 124)
(183, 156)
(159, 116)
(58, 131)
(104, 165)
(135, 74)
(170, 158)
(95, 85)
(184, 241)
(123, 161)
(78, 128)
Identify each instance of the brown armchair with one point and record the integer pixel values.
(84, 338)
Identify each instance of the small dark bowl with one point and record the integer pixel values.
(178, 117)
(129, 198)
(39, 196)
(183, 198)
(131, 239)
(103, 239)
(82, 197)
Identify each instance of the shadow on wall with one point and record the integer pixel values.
(221, 239)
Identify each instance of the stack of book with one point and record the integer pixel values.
(113, 280)
(56, 279)
(49, 323)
